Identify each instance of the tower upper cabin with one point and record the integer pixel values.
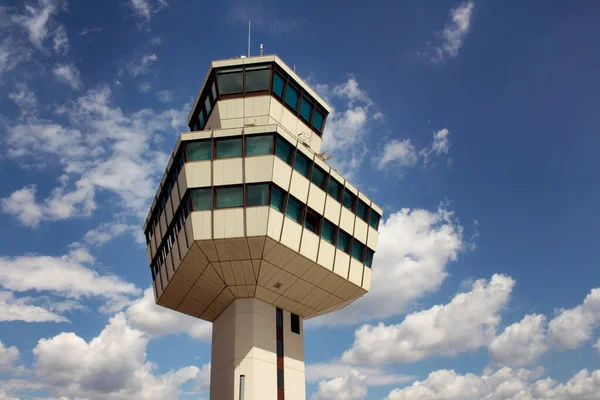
(256, 91)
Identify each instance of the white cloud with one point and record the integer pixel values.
(61, 41)
(414, 249)
(70, 275)
(88, 31)
(25, 99)
(401, 152)
(521, 343)
(317, 372)
(144, 87)
(455, 31)
(352, 387)
(12, 54)
(36, 20)
(101, 149)
(21, 309)
(156, 41)
(69, 74)
(597, 345)
(468, 322)
(145, 8)
(112, 365)
(9, 356)
(439, 145)
(145, 315)
(143, 67)
(504, 384)
(571, 327)
(165, 96)
(107, 232)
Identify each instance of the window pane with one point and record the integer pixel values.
(213, 90)
(369, 258)
(279, 315)
(277, 198)
(295, 320)
(361, 210)
(257, 195)
(374, 219)
(348, 199)
(202, 120)
(311, 222)
(357, 250)
(283, 150)
(342, 242)
(257, 78)
(229, 197)
(293, 209)
(291, 97)
(318, 120)
(279, 347)
(259, 145)
(202, 199)
(229, 148)
(230, 82)
(207, 105)
(305, 108)
(301, 164)
(199, 151)
(280, 379)
(318, 176)
(278, 83)
(334, 189)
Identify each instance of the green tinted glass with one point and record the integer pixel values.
(259, 145)
(229, 197)
(229, 148)
(199, 151)
(202, 199)
(257, 195)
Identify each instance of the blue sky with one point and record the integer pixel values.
(473, 124)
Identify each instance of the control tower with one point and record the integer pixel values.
(253, 231)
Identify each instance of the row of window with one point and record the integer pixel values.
(279, 338)
(257, 79)
(262, 194)
(257, 145)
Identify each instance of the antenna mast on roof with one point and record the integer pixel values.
(261, 49)
(248, 38)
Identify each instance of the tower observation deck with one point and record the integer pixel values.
(251, 230)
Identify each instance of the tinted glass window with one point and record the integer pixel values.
(305, 108)
(229, 148)
(283, 150)
(230, 81)
(334, 188)
(259, 145)
(202, 199)
(293, 209)
(343, 241)
(311, 221)
(302, 164)
(369, 258)
(257, 78)
(318, 120)
(278, 84)
(199, 151)
(318, 176)
(357, 250)
(257, 195)
(279, 314)
(291, 97)
(279, 347)
(277, 198)
(229, 197)
(202, 120)
(295, 324)
(374, 219)
(362, 210)
(348, 199)
(207, 105)
(280, 379)
(213, 90)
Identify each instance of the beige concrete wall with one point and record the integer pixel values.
(244, 343)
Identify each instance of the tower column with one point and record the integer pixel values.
(245, 353)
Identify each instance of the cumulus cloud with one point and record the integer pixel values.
(107, 232)
(468, 322)
(23, 309)
(143, 66)
(69, 74)
(317, 372)
(572, 327)
(146, 8)
(504, 384)
(60, 42)
(9, 356)
(454, 32)
(352, 387)
(25, 99)
(402, 152)
(521, 343)
(101, 149)
(37, 19)
(165, 96)
(146, 316)
(112, 365)
(415, 247)
(12, 54)
(439, 145)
